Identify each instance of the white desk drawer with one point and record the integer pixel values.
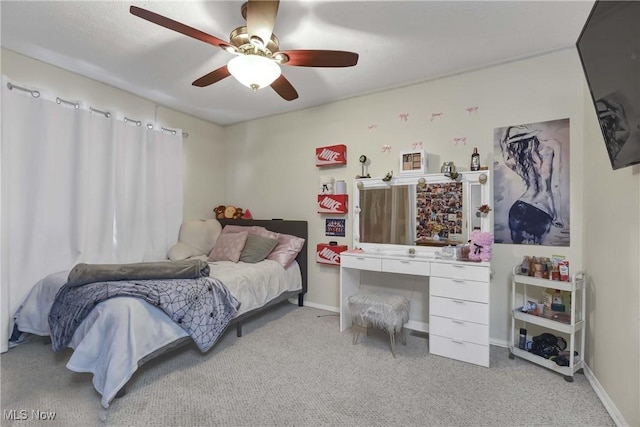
(361, 262)
(459, 350)
(460, 271)
(459, 309)
(459, 330)
(468, 290)
(407, 266)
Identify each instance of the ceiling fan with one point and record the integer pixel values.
(258, 55)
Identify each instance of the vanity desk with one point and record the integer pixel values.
(449, 298)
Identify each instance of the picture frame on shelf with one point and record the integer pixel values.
(413, 162)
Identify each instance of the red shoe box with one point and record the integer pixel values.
(327, 254)
(331, 155)
(333, 203)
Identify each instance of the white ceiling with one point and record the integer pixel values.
(399, 42)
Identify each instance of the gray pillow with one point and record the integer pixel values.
(257, 248)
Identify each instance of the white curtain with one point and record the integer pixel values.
(149, 198)
(79, 187)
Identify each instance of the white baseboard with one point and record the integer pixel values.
(499, 343)
(322, 307)
(604, 397)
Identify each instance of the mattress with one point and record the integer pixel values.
(119, 332)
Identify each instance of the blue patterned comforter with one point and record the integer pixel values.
(203, 307)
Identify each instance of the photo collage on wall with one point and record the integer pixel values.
(439, 210)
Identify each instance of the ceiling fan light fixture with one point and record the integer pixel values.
(229, 48)
(254, 71)
(256, 41)
(281, 58)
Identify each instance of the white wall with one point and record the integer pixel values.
(273, 173)
(612, 254)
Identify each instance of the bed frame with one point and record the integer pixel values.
(295, 228)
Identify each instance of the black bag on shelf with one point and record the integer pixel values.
(547, 345)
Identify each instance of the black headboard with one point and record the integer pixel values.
(295, 228)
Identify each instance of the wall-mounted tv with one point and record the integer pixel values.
(609, 48)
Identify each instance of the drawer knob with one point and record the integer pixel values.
(457, 301)
(457, 341)
(458, 281)
(459, 322)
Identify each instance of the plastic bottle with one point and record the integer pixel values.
(547, 298)
(475, 160)
(522, 341)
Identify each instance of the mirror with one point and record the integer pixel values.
(428, 210)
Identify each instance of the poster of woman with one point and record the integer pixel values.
(531, 184)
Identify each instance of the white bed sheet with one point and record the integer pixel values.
(117, 334)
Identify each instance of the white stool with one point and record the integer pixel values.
(384, 311)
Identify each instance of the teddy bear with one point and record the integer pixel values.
(231, 212)
(480, 246)
(219, 212)
(228, 212)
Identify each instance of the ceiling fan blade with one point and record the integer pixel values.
(176, 26)
(283, 88)
(261, 18)
(212, 77)
(320, 58)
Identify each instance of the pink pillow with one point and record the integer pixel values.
(228, 247)
(287, 249)
(251, 229)
(266, 233)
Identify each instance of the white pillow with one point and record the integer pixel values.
(181, 251)
(201, 233)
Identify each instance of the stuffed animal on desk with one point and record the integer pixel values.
(480, 246)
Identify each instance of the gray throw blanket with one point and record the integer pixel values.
(82, 274)
(203, 307)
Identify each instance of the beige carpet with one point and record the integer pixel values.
(293, 367)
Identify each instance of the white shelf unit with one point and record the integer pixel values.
(573, 329)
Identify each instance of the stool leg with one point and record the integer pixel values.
(356, 324)
(393, 342)
(403, 338)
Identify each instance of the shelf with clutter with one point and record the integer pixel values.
(559, 314)
(333, 203)
(329, 253)
(332, 198)
(231, 212)
(331, 155)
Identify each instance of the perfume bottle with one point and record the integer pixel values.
(475, 160)
(522, 339)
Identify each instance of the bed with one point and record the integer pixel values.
(114, 340)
